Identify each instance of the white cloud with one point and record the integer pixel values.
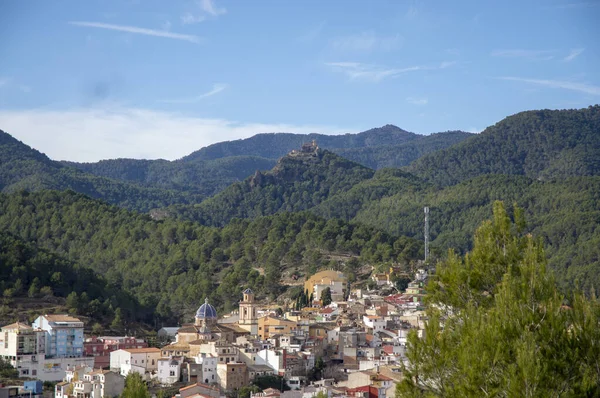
(137, 30)
(538, 55)
(207, 8)
(366, 41)
(4, 81)
(417, 101)
(573, 54)
(217, 88)
(92, 134)
(25, 89)
(581, 87)
(376, 73)
(188, 18)
(166, 25)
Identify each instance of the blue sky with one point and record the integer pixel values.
(89, 80)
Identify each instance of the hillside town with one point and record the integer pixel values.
(343, 344)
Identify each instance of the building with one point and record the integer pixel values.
(334, 280)
(269, 326)
(167, 333)
(169, 370)
(199, 389)
(141, 360)
(25, 348)
(99, 384)
(247, 313)
(232, 376)
(101, 347)
(64, 335)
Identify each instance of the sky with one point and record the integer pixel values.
(99, 79)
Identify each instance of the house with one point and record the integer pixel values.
(334, 280)
(141, 360)
(268, 326)
(101, 347)
(169, 370)
(201, 389)
(232, 376)
(99, 384)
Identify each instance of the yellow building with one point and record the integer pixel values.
(269, 326)
(334, 280)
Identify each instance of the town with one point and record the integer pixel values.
(343, 344)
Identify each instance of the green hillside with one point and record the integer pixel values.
(170, 266)
(24, 168)
(541, 144)
(298, 182)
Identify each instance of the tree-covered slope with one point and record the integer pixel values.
(275, 145)
(24, 168)
(542, 144)
(171, 266)
(398, 155)
(564, 213)
(203, 178)
(298, 182)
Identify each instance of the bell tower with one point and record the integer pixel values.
(248, 318)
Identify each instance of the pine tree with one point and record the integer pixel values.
(498, 325)
(135, 387)
(326, 296)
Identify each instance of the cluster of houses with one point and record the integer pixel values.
(360, 337)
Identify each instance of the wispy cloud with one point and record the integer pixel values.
(539, 55)
(138, 30)
(207, 8)
(4, 81)
(217, 88)
(417, 101)
(123, 132)
(376, 73)
(573, 54)
(580, 87)
(25, 88)
(366, 41)
(357, 70)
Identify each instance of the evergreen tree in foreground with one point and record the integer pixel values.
(499, 327)
(135, 387)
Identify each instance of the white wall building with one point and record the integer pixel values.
(141, 360)
(209, 367)
(169, 370)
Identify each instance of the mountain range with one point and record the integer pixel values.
(254, 212)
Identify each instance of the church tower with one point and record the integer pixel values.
(248, 319)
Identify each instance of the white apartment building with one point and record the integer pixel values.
(141, 360)
(24, 347)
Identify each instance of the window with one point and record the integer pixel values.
(153, 362)
(172, 373)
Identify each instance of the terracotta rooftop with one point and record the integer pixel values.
(18, 326)
(142, 350)
(199, 385)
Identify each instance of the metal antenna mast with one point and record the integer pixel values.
(426, 209)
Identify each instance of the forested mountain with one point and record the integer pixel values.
(543, 144)
(275, 145)
(299, 181)
(386, 146)
(202, 178)
(24, 168)
(170, 266)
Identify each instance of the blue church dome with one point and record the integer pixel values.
(206, 311)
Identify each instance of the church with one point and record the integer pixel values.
(206, 332)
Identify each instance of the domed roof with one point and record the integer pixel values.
(206, 311)
(248, 291)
